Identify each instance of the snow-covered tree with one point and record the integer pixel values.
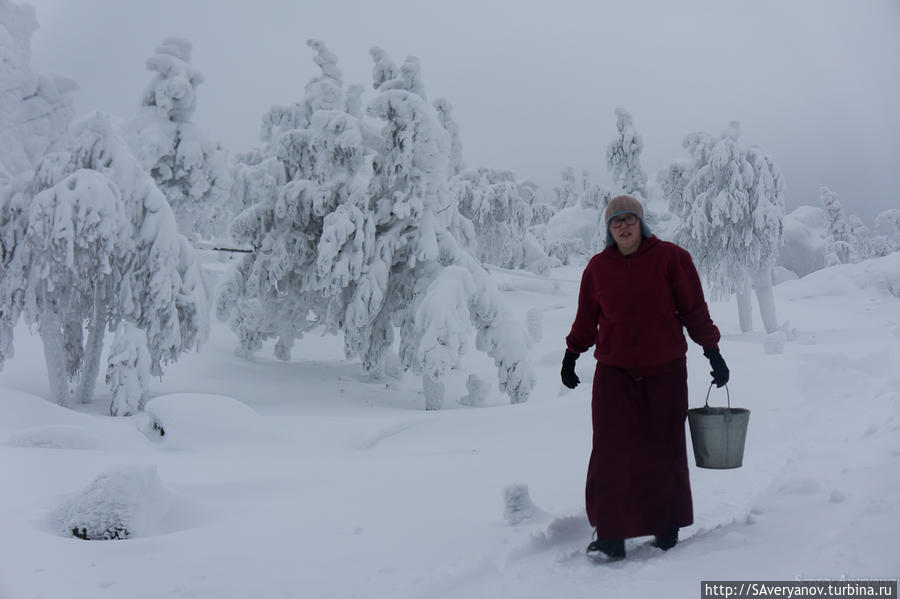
(490, 199)
(190, 169)
(316, 167)
(422, 225)
(841, 246)
(731, 209)
(445, 116)
(623, 156)
(889, 219)
(364, 236)
(99, 246)
(540, 210)
(127, 370)
(35, 109)
(567, 194)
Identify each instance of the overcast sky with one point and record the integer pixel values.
(816, 83)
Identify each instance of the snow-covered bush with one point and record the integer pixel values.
(94, 243)
(186, 165)
(623, 157)
(125, 502)
(365, 237)
(201, 420)
(731, 209)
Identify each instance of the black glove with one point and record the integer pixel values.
(719, 369)
(569, 378)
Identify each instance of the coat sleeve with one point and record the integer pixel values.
(584, 330)
(690, 303)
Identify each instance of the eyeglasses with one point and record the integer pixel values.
(617, 222)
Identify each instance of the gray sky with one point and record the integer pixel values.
(816, 83)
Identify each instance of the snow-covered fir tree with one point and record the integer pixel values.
(623, 156)
(889, 219)
(128, 368)
(364, 236)
(95, 244)
(190, 169)
(567, 194)
(540, 210)
(841, 246)
(316, 165)
(731, 209)
(445, 116)
(491, 200)
(35, 109)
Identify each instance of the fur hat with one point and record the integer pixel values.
(624, 205)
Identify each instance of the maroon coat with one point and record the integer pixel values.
(634, 309)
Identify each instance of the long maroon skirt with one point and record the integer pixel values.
(637, 480)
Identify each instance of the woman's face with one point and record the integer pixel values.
(627, 236)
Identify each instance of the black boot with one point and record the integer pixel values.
(612, 549)
(667, 540)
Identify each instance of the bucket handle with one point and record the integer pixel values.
(727, 395)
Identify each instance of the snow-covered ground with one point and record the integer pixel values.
(306, 479)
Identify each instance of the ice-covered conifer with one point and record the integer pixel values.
(490, 199)
(190, 169)
(841, 246)
(445, 115)
(889, 219)
(567, 194)
(384, 68)
(128, 370)
(732, 207)
(623, 156)
(364, 236)
(307, 217)
(100, 247)
(411, 182)
(34, 109)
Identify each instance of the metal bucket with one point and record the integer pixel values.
(718, 434)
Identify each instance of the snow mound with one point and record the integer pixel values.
(20, 410)
(126, 502)
(881, 275)
(478, 391)
(805, 237)
(774, 343)
(518, 506)
(58, 436)
(574, 228)
(196, 420)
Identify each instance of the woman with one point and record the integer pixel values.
(636, 298)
